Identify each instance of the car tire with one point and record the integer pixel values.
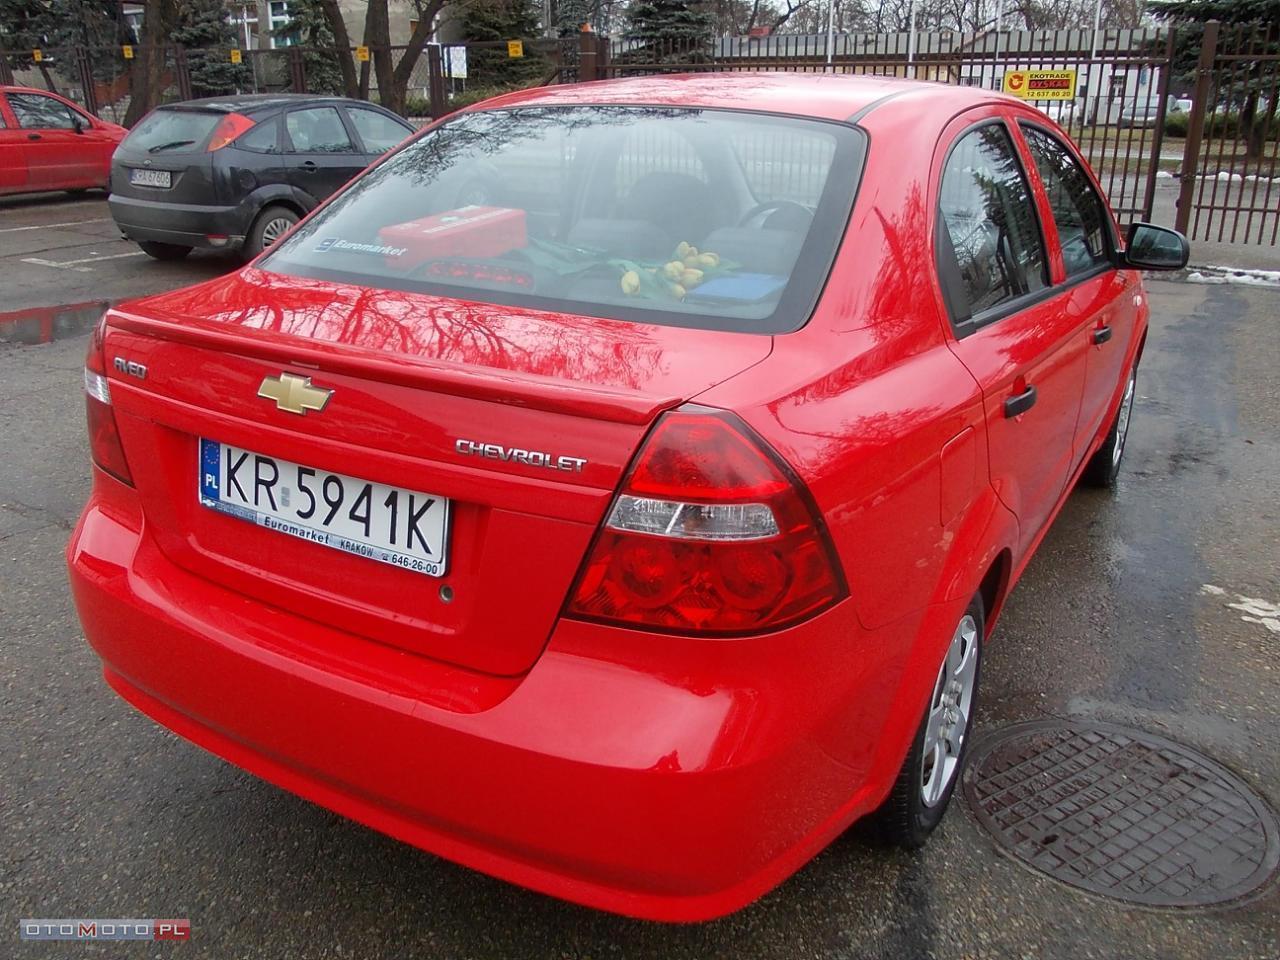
(268, 226)
(935, 762)
(1103, 468)
(163, 251)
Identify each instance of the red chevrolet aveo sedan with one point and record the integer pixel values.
(613, 488)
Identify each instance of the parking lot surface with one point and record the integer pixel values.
(1140, 609)
(61, 249)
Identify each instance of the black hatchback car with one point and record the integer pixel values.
(236, 172)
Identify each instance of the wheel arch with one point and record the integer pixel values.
(994, 588)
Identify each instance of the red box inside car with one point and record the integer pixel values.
(470, 231)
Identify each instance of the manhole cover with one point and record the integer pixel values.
(1122, 813)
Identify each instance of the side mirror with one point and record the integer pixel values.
(1155, 248)
(79, 123)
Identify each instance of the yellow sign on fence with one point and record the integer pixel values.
(235, 56)
(1041, 84)
(362, 54)
(37, 55)
(515, 48)
(127, 50)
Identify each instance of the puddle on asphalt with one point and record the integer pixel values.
(46, 324)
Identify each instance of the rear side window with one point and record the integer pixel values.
(172, 131)
(989, 234)
(691, 217)
(317, 130)
(262, 138)
(378, 132)
(1078, 211)
(35, 112)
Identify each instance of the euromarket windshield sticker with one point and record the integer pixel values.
(350, 246)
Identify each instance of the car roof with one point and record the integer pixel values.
(820, 96)
(14, 88)
(254, 102)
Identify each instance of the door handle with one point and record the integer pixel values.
(34, 136)
(1020, 403)
(1101, 335)
(309, 166)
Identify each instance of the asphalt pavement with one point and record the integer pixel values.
(61, 249)
(1132, 612)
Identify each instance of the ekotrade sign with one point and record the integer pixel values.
(1041, 84)
(85, 928)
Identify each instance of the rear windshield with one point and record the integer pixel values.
(700, 218)
(172, 131)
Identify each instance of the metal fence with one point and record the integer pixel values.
(1117, 117)
(1123, 115)
(1230, 187)
(103, 79)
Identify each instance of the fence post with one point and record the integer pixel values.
(297, 70)
(435, 82)
(84, 66)
(1157, 139)
(588, 47)
(1195, 126)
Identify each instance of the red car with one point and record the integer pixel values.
(49, 143)
(613, 488)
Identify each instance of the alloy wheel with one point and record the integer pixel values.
(948, 722)
(1122, 419)
(274, 229)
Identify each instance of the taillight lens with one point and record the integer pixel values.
(228, 128)
(709, 534)
(104, 438)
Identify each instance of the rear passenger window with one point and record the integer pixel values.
(378, 131)
(261, 139)
(317, 130)
(1078, 211)
(990, 247)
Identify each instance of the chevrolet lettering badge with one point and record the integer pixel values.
(294, 394)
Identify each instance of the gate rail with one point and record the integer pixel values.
(1230, 188)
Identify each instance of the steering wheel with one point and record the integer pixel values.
(759, 210)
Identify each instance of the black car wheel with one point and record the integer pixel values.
(1104, 467)
(271, 224)
(919, 798)
(163, 251)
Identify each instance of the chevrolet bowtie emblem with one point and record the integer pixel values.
(294, 393)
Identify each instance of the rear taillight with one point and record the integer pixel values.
(710, 533)
(104, 438)
(228, 128)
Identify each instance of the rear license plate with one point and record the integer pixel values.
(151, 178)
(405, 528)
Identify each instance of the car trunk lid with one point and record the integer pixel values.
(525, 421)
(165, 157)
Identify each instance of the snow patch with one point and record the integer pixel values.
(1210, 273)
(1251, 609)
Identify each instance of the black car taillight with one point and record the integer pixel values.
(229, 128)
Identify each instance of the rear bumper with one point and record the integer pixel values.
(671, 779)
(188, 225)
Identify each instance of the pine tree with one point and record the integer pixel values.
(669, 23)
(499, 20)
(204, 29)
(309, 28)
